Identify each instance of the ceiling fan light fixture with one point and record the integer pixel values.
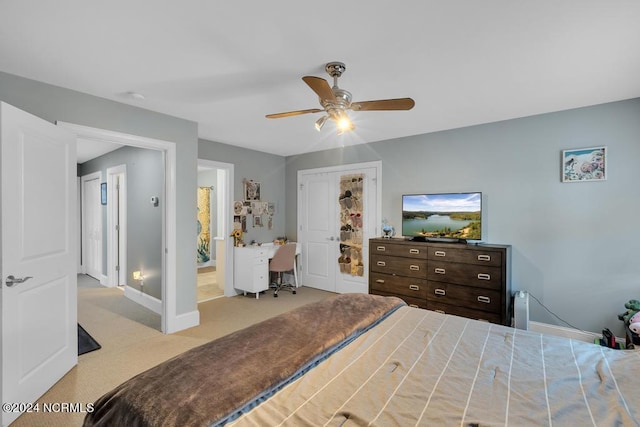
(344, 124)
(335, 102)
(320, 122)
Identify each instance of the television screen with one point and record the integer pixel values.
(442, 216)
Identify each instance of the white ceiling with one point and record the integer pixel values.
(227, 64)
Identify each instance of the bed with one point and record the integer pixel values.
(356, 360)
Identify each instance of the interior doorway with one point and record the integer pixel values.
(168, 305)
(91, 230)
(215, 274)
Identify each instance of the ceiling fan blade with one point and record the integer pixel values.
(321, 87)
(384, 104)
(293, 113)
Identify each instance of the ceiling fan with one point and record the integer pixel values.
(336, 101)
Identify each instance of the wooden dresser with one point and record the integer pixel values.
(463, 279)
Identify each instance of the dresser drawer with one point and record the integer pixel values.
(403, 250)
(465, 274)
(260, 252)
(260, 278)
(467, 296)
(401, 266)
(409, 286)
(464, 312)
(411, 301)
(465, 256)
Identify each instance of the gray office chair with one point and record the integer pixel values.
(282, 262)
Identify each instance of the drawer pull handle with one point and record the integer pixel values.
(439, 291)
(484, 299)
(484, 276)
(414, 251)
(380, 281)
(414, 287)
(484, 258)
(440, 253)
(381, 248)
(440, 311)
(439, 271)
(414, 267)
(381, 263)
(413, 305)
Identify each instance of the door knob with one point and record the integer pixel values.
(331, 238)
(11, 281)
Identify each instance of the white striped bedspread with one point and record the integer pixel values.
(422, 368)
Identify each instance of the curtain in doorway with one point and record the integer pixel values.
(351, 202)
(204, 221)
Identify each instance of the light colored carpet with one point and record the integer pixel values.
(131, 341)
(207, 281)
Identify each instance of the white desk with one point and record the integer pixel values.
(251, 267)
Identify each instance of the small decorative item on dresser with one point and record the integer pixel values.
(387, 230)
(237, 237)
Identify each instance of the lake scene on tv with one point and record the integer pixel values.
(451, 215)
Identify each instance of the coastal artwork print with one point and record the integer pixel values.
(204, 220)
(584, 164)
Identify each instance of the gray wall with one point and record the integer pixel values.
(575, 245)
(58, 104)
(145, 178)
(268, 169)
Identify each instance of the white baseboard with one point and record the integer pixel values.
(145, 300)
(104, 280)
(562, 331)
(184, 321)
(210, 263)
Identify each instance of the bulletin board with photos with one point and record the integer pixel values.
(252, 211)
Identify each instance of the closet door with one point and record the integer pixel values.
(338, 211)
(317, 230)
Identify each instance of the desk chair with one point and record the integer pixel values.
(283, 261)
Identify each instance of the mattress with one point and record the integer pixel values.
(357, 360)
(422, 368)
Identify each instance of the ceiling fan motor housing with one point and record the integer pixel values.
(335, 69)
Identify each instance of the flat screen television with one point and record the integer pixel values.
(442, 216)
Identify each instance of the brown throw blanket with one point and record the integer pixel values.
(209, 383)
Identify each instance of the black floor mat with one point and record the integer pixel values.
(86, 343)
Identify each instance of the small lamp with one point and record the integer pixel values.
(137, 275)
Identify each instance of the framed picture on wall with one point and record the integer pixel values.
(103, 193)
(584, 164)
(251, 190)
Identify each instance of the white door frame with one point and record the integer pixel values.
(226, 220)
(116, 253)
(84, 220)
(169, 321)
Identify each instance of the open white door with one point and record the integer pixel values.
(38, 293)
(318, 232)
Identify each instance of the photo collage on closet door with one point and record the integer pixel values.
(351, 234)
